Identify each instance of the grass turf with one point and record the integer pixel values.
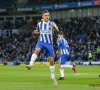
(38, 78)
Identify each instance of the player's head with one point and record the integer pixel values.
(45, 15)
(60, 34)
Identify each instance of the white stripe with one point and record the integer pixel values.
(67, 52)
(64, 51)
(70, 74)
(44, 38)
(43, 34)
(48, 38)
(40, 37)
(47, 35)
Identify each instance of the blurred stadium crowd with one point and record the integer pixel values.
(7, 3)
(83, 35)
(13, 25)
(12, 3)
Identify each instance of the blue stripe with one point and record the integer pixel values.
(49, 23)
(49, 26)
(45, 26)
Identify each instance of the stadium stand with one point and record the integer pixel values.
(59, 1)
(11, 3)
(7, 3)
(46, 2)
(13, 25)
(83, 35)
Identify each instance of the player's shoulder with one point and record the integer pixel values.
(52, 22)
(65, 39)
(40, 22)
(59, 40)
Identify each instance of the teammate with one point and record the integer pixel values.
(63, 51)
(45, 28)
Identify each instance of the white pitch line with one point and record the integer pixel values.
(86, 74)
(77, 74)
(66, 74)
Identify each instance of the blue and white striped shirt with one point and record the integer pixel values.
(46, 31)
(63, 46)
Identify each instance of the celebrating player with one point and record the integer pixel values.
(63, 51)
(45, 28)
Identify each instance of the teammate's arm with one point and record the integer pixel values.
(59, 45)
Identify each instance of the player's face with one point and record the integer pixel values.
(46, 17)
(60, 35)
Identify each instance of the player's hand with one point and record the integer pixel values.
(53, 25)
(36, 32)
(57, 52)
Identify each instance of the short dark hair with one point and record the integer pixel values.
(60, 33)
(45, 11)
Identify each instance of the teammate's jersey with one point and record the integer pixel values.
(46, 31)
(63, 46)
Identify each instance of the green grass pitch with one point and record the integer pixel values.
(38, 78)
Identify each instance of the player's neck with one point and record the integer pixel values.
(60, 36)
(45, 21)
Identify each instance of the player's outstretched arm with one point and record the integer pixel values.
(55, 27)
(36, 32)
